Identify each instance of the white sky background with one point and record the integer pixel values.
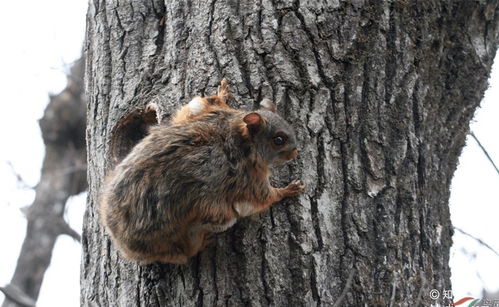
(40, 39)
(474, 201)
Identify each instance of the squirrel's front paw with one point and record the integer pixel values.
(294, 188)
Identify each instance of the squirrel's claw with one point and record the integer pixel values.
(294, 188)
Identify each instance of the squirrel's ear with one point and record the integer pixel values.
(267, 104)
(253, 122)
(223, 91)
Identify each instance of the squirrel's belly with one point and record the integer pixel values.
(244, 208)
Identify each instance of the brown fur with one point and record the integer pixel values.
(212, 103)
(184, 182)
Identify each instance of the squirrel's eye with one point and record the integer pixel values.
(279, 140)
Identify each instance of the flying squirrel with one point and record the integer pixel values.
(195, 177)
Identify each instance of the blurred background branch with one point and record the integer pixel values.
(17, 296)
(20, 180)
(63, 175)
(484, 151)
(480, 241)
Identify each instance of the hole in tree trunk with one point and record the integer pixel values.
(130, 130)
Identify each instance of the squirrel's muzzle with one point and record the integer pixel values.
(292, 154)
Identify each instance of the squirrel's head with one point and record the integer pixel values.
(272, 137)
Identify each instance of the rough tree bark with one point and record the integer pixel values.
(63, 175)
(380, 94)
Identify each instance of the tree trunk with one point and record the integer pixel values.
(380, 94)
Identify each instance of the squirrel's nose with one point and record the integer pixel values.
(293, 154)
